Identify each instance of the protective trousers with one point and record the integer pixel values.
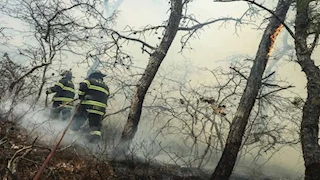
(56, 110)
(94, 123)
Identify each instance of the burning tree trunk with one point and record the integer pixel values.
(225, 166)
(309, 130)
(153, 65)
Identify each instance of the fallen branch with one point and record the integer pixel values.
(70, 145)
(15, 159)
(13, 162)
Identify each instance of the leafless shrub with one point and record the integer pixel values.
(58, 29)
(194, 113)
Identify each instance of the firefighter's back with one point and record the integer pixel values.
(66, 92)
(96, 96)
(98, 90)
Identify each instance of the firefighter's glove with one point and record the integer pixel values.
(47, 92)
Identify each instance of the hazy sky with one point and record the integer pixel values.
(211, 48)
(215, 44)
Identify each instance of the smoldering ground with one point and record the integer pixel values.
(150, 147)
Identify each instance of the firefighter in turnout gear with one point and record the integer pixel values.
(65, 92)
(93, 93)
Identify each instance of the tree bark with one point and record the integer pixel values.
(154, 63)
(309, 129)
(226, 164)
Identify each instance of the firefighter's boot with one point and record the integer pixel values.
(94, 136)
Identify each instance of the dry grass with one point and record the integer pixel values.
(28, 156)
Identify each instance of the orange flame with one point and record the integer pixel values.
(273, 38)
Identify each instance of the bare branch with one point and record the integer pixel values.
(263, 7)
(27, 73)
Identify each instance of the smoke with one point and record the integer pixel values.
(147, 146)
(151, 146)
(36, 122)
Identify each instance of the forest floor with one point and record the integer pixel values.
(21, 157)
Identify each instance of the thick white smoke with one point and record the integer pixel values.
(35, 120)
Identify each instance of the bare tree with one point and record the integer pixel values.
(58, 29)
(194, 116)
(189, 25)
(9, 72)
(225, 166)
(154, 63)
(307, 26)
(273, 66)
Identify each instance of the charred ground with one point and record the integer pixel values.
(21, 156)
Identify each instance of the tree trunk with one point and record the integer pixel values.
(309, 130)
(153, 65)
(225, 166)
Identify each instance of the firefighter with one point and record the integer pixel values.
(65, 92)
(93, 93)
